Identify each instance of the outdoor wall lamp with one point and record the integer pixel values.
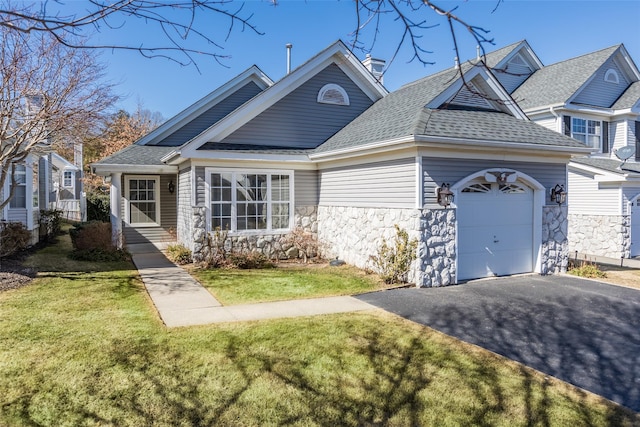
(558, 194)
(445, 196)
(171, 186)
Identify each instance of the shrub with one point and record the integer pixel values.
(50, 223)
(92, 242)
(305, 242)
(249, 260)
(585, 269)
(392, 262)
(179, 254)
(98, 207)
(14, 237)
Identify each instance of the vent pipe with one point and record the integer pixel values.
(289, 46)
(478, 52)
(456, 64)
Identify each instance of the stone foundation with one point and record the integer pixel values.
(602, 235)
(437, 248)
(272, 245)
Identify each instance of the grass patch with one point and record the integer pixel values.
(234, 286)
(85, 347)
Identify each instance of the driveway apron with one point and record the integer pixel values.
(581, 331)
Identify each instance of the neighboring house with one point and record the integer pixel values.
(32, 193)
(328, 149)
(594, 98)
(67, 193)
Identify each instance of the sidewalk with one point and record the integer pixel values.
(182, 301)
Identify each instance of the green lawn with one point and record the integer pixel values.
(84, 346)
(233, 286)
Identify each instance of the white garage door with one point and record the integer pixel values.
(635, 228)
(495, 230)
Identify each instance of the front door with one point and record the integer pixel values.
(143, 201)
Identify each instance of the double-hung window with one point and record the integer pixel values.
(67, 179)
(250, 201)
(587, 131)
(19, 199)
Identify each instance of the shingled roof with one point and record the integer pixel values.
(142, 155)
(609, 165)
(629, 98)
(403, 114)
(557, 83)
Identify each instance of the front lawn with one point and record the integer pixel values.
(83, 345)
(234, 286)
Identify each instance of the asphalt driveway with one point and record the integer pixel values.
(583, 332)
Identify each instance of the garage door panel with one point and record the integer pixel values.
(495, 232)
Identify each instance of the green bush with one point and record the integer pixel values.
(98, 207)
(14, 237)
(392, 262)
(591, 271)
(179, 254)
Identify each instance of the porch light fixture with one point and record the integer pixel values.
(445, 196)
(558, 194)
(171, 187)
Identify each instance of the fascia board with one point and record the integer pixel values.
(254, 156)
(252, 74)
(490, 144)
(629, 61)
(107, 169)
(251, 163)
(599, 175)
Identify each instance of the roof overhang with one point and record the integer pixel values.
(107, 169)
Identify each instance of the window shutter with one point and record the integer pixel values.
(637, 140)
(566, 125)
(605, 137)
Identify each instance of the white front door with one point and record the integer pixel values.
(495, 230)
(143, 200)
(635, 228)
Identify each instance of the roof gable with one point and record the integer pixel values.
(560, 83)
(208, 110)
(515, 66)
(337, 54)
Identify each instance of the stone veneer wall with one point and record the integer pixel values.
(555, 252)
(273, 246)
(602, 235)
(354, 234)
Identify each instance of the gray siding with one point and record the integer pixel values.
(42, 183)
(168, 202)
(306, 188)
(601, 93)
(17, 215)
(200, 186)
(298, 120)
(211, 116)
(184, 207)
(389, 184)
(437, 171)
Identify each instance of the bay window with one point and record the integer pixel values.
(249, 201)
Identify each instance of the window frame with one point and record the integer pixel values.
(23, 183)
(64, 178)
(322, 99)
(587, 123)
(233, 230)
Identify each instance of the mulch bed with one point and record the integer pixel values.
(13, 274)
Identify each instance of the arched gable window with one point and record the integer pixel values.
(333, 94)
(611, 76)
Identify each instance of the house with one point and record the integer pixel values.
(67, 195)
(328, 149)
(594, 98)
(32, 194)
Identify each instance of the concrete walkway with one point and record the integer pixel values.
(182, 301)
(620, 262)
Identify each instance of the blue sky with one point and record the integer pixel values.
(556, 30)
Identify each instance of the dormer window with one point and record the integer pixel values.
(611, 76)
(333, 94)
